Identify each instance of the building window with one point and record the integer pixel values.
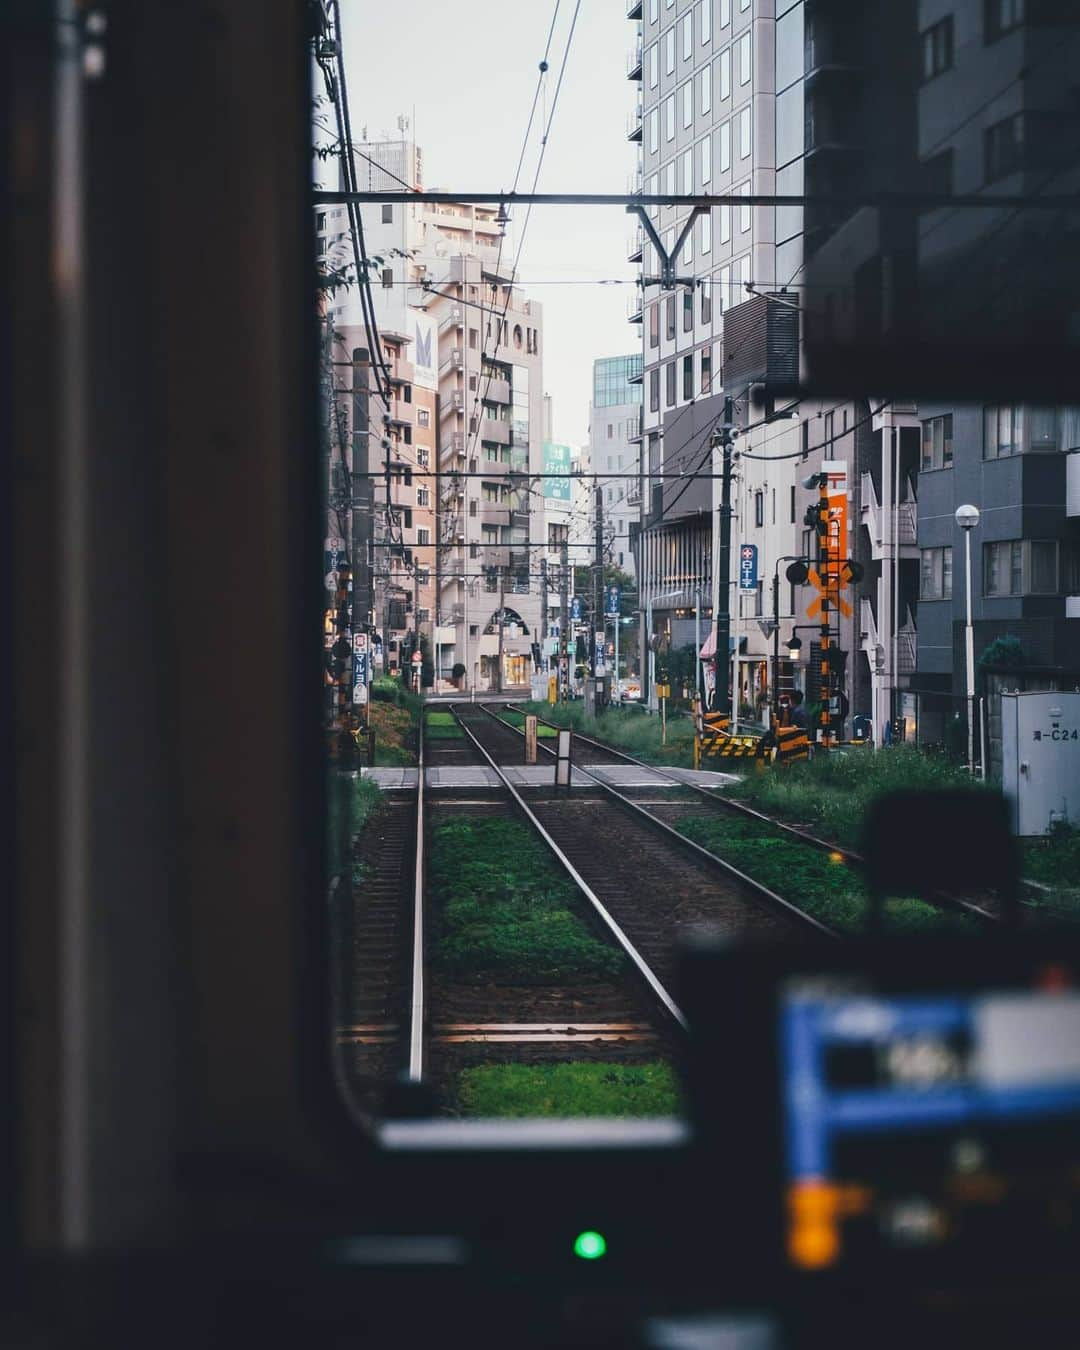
(654, 131)
(830, 422)
(706, 370)
(1005, 147)
(688, 376)
(1002, 16)
(705, 90)
(1043, 429)
(654, 389)
(725, 223)
(669, 52)
(688, 35)
(725, 146)
(669, 384)
(1021, 567)
(744, 59)
(423, 496)
(669, 118)
(759, 508)
(744, 133)
(725, 288)
(1003, 431)
(654, 65)
(725, 13)
(1003, 568)
(793, 504)
(705, 21)
(654, 324)
(935, 575)
(937, 443)
(688, 312)
(669, 177)
(423, 456)
(423, 535)
(387, 277)
(706, 160)
(688, 179)
(688, 104)
(724, 80)
(744, 4)
(387, 214)
(669, 316)
(937, 49)
(705, 232)
(654, 8)
(706, 301)
(744, 211)
(423, 417)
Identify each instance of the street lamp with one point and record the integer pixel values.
(794, 647)
(967, 517)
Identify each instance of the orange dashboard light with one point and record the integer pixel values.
(813, 1246)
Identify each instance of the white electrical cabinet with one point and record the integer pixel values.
(1040, 759)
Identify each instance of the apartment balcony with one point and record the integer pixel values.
(634, 182)
(400, 495)
(402, 371)
(634, 306)
(491, 429)
(873, 642)
(902, 523)
(453, 402)
(635, 245)
(633, 493)
(633, 9)
(454, 444)
(495, 391)
(633, 62)
(633, 124)
(453, 360)
(399, 412)
(454, 319)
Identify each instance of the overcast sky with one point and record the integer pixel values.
(465, 74)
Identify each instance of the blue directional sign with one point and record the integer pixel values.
(611, 601)
(575, 609)
(748, 567)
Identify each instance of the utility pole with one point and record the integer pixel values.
(543, 600)
(724, 439)
(564, 618)
(502, 627)
(416, 624)
(598, 579)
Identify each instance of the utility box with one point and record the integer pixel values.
(1040, 759)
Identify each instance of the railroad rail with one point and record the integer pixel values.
(724, 804)
(775, 907)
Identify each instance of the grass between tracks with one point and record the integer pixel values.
(829, 891)
(572, 1089)
(516, 719)
(630, 729)
(504, 912)
(1055, 861)
(442, 726)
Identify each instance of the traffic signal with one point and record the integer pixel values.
(817, 518)
(834, 661)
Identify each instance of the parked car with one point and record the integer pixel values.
(629, 689)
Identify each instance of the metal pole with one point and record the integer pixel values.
(502, 627)
(697, 639)
(598, 579)
(723, 620)
(564, 618)
(969, 645)
(774, 701)
(617, 622)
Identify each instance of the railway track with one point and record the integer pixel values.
(403, 1014)
(652, 879)
(710, 802)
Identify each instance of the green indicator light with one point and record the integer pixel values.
(590, 1246)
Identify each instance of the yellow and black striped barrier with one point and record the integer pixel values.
(713, 740)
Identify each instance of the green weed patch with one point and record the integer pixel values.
(630, 729)
(573, 1089)
(829, 891)
(503, 910)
